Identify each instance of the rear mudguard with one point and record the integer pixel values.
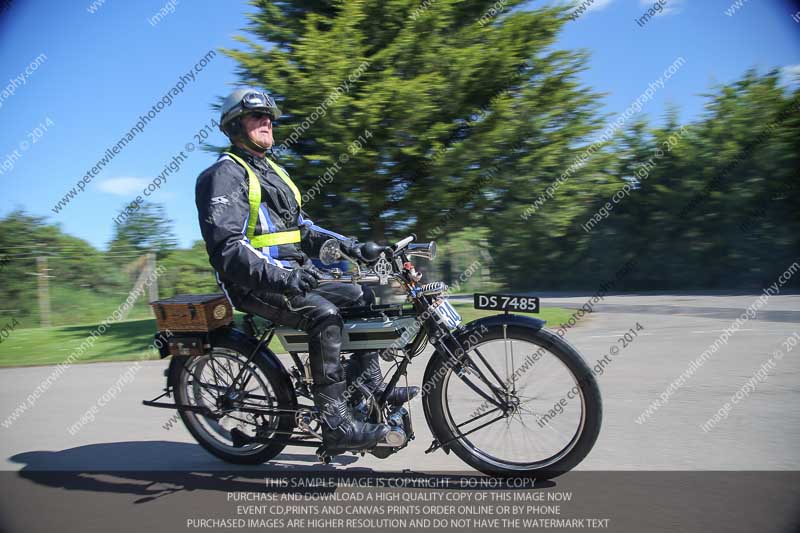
(464, 332)
(248, 344)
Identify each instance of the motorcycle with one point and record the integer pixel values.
(504, 394)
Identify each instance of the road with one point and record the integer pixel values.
(760, 433)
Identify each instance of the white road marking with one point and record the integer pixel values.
(616, 336)
(671, 332)
(723, 331)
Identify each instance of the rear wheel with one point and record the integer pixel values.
(525, 404)
(202, 381)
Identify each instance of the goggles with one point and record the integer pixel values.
(260, 101)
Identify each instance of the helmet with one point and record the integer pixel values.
(239, 103)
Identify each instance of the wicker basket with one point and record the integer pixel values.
(193, 312)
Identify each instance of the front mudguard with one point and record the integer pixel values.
(462, 334)
(508, 319)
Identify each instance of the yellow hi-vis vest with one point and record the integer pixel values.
(254, 196)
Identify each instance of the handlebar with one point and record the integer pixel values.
(366, 278)
(402, 243)
(336, 276)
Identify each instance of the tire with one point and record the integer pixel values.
(439, 376)
(267, 371)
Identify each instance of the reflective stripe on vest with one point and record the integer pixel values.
(254, 196)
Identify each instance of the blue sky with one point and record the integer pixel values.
(104, 69)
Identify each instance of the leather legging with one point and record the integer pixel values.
(317, 313)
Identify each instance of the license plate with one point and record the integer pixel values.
(507, 302)
(447, 314)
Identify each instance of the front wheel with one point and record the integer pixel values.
(521, 402)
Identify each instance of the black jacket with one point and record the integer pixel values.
(223, 208)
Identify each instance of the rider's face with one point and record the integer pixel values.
(259, 127)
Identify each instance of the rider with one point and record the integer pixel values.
(259, 242)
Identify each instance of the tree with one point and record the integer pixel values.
(454, 119)
(718, 208)
(741, 217)
(187, 271)
(73, 265)
(146, 230)
(438, 92)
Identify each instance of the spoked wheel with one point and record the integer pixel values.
(524, 404)
(203, 381)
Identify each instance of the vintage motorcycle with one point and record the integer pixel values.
(507, 396)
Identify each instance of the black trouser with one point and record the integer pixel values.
(317, 313)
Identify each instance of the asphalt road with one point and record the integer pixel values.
(760, 433)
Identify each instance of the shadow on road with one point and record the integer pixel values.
(153, 455)
(155, 469)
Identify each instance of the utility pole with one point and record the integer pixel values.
(44, 291)
(151, 271)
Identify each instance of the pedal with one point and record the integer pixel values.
(323, 456)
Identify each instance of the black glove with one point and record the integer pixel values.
(300, 281)
(311, 267)
(368, 252)
(351, 248)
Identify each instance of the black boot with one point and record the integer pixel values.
(364, 374)
(340, 432)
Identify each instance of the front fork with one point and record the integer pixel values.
(500, 394)
(465, 368)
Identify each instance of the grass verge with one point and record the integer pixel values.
(131, 339)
